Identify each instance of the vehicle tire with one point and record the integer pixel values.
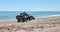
(18, 20)
(31, 18)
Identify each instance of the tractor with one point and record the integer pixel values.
(23, 17)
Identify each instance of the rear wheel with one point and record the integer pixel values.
(31, 18)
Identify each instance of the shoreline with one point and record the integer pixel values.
(48, 16)
(7, 20)
(35, 17)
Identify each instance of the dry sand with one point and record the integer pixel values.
(47, 24)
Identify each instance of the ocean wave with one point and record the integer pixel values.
(55, 15)
(47, 16)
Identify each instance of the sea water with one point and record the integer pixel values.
(13, 14)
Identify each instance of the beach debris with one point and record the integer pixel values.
(23, 17)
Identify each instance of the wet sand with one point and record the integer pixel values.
(46, 24)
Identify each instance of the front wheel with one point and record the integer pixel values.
(31, 18)
(18, 20)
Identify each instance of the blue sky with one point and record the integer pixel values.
(29, 5)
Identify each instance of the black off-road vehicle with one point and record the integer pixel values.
(23, 17)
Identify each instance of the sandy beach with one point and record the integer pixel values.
(45, 24)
